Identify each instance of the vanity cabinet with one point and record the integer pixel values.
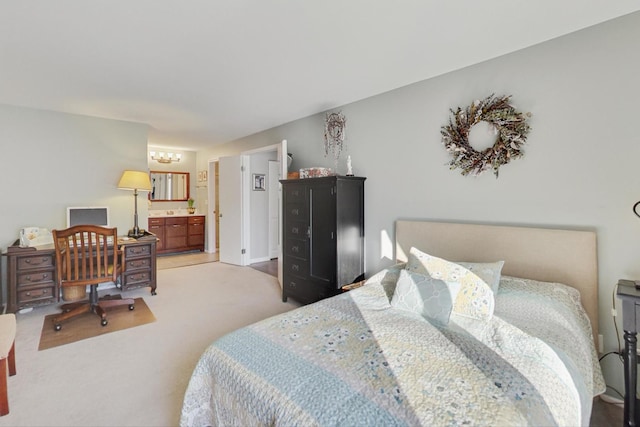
(195, 232)
(156, 226)
(323, 235)
(178, 233)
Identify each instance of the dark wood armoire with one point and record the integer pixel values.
(323, 236)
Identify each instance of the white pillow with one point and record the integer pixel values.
(424, 295)
(472, 296)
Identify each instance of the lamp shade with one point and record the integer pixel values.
(135, 180)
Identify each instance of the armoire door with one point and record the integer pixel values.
(322, 209)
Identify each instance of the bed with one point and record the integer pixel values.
(475, 325)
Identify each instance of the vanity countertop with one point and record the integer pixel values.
(165, 213)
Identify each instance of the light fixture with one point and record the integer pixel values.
(162, 157)
(135, 180)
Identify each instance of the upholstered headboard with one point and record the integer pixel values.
(550, 255)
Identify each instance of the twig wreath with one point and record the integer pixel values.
(510, 125)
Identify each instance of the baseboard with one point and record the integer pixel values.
(257, 260)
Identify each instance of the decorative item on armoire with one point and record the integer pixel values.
(334, 135)
(349, 167)
(508, 124)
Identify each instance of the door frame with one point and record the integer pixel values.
(281, 153)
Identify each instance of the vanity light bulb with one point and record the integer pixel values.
(170, 155)
(152, 154)
(161, 154)
(178, 156)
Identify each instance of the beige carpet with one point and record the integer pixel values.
(137, 376)
(88, 325)
(183, 260)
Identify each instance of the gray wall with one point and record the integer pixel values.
(54, 160)
(579, 170)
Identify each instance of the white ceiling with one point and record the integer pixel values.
(204, 72)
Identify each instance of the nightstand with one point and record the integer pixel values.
(630, 297)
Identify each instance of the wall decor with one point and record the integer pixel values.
(511, 129)
(334, 134)
(258, 182)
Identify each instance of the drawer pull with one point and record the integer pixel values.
(295, 249)
(28, 294)
(295, 230)
(295, 267)
(295, 211)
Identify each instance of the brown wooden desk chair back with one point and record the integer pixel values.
(87, 255)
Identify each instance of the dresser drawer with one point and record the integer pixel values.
(295, 194)
(27, 262)
(296, 230)
(296, 248)
(30, 295)
(296, 267)
(296, 212)
(31, 278)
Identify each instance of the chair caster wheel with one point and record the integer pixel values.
(104, 322)
(131, 306)
(57, 327)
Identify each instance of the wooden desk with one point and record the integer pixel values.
(31, 272)
(630, 297)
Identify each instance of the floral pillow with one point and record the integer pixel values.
(472, 296)
(424, 295)
(488, 271)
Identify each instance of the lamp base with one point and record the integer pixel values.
(135, 233)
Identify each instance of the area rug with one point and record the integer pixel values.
(88, 325)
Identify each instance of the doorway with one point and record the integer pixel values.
(216, 177)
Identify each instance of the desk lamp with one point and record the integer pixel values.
(135, 180)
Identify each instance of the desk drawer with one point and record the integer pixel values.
(136, 278)
(137, 264)
(27, 262)
(31, 278)
(137, 251)
(30, 295)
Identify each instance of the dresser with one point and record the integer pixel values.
(178, 233)
(31, 272)
(323, 236)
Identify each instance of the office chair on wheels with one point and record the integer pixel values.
(87, 255)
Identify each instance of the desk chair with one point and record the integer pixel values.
(87, 255)
(7, 357)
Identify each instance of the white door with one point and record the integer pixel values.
(231, 208)
(274, 208)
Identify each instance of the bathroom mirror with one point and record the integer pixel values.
(169, 186)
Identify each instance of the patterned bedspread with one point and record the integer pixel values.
(355, 360)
